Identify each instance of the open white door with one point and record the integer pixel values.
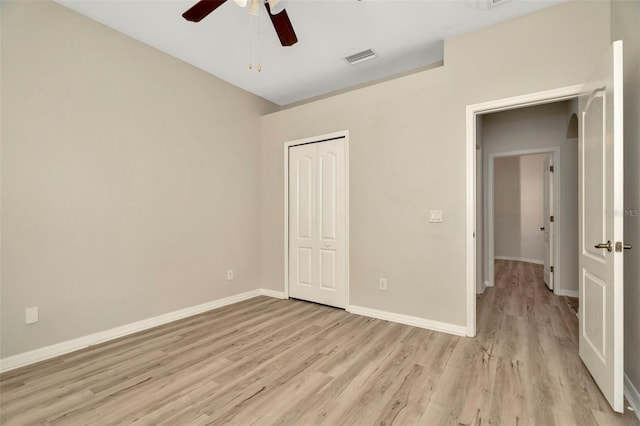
(549, 222)
(600, 226)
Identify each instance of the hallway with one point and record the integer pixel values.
(520, 320)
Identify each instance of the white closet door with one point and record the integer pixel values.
(317, 223)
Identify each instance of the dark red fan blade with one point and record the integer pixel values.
(202, 9)
(283, 27)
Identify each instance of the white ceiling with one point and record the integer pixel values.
(404, 34)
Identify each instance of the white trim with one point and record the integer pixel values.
(555, 152)
(487, 284)
(458, 330)
(62, 348)
(520, 259)
(618, 225)
(316, 139)
(472, 220)
(42, 354)
(562, 292)
(273, 293)
(632, 395)
(472, 111)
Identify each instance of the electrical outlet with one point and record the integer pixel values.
(435, 216)
(230, 275)
(383, 284)
(31, 315)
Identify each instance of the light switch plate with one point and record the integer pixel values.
(435, 216)
(383, 284)
(31, 315)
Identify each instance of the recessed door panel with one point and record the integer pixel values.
(328, 195)
(594, 303)
(328, 269)
(594, 155)
(304, 262)
(305, 192)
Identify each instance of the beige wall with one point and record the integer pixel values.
(625, 26)
(408, 155)
(130, 179)
(117, 159)
(518, 207)
(506, 207)
(538, 127)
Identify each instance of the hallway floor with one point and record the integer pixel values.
(521, 320)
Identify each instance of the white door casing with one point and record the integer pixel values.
(472, 111)
(554, 153)
(600, 221)
(549, 226)
(317, 222)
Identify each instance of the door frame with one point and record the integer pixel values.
(472, 111)
(555, 155)
(344, 134)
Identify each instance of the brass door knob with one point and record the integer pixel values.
(606, 245)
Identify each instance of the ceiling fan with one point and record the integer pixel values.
(276, 12)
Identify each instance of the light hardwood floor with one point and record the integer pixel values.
(268, 361)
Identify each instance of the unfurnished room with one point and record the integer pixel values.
(319, 212)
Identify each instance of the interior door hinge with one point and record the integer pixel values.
(551, 169)
(551, 218)
(551, 269)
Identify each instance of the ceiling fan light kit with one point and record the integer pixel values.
(276, 6)
(277, 14)
(254, 7)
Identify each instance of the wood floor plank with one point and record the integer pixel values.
(265, 361)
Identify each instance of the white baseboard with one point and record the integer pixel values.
(482, 289)
(272, 293)
(48, 352)
(520, 259)
(632, 395)
(562, 292)
(62, 348)
(486, 284)
(458, 330)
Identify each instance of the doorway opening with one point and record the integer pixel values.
(478, 267)
(527, 194)
(523, 191)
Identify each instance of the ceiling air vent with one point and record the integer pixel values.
(484, 4)
(356, 58)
